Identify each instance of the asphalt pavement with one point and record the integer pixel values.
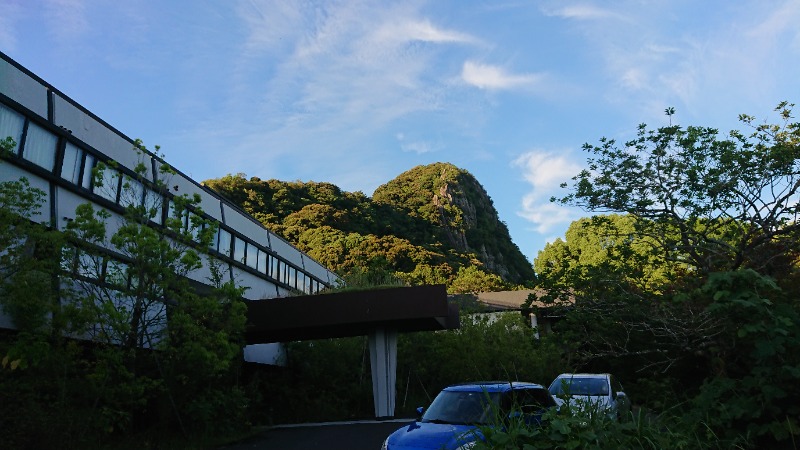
(360, 435)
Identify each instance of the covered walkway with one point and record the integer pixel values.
(379, 314)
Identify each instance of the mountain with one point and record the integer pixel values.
(431, 224)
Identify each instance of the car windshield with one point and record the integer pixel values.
(459, 407)
(580, 386)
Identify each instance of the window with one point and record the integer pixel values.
(252, 255)
(224, 240)
(88, 174)
(277, 272)
(238, 249)
(117, 273)
(89, 266)
(40, 147)
(302, 283)
(71, 167)
(132, 193)
(262, 261)
(195, 226)
(11, 124)
(110, 185)
(273, 267)
(154, 203)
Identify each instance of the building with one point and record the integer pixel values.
(59, 142)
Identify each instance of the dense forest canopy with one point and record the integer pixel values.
(426, 226)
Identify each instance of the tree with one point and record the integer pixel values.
(607, 244)
(716, 204)
(139, 298)
(720, 219)
(111, 338)
(472, 280)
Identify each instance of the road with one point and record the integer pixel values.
(363, 435)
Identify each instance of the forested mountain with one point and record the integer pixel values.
(431, 224)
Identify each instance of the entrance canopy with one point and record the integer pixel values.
(343, 314)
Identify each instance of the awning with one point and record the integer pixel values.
(342, 314)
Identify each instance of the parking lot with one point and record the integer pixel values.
(361, 435)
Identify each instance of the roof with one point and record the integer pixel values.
(355, 313)
(491, 386)
(511, 300)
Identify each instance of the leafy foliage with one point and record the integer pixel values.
(692, 291)
(716, 204)
(110, 345)
(423, 226)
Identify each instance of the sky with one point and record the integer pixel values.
(356, 92)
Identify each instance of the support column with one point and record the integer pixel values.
(383, 361)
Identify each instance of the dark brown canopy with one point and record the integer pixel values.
(419, 308)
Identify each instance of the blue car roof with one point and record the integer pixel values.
(491, 386)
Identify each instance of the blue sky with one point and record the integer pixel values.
(356, 92)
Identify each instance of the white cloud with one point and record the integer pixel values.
(423, 31)
(485, 76)
(419, 147)
(586, 12)
(545, 171)
(545, 215)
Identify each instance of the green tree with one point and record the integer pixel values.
(111, 339)
(472, 280)
(611, 244)
(719, 219)
(714, 203)
(140, 298)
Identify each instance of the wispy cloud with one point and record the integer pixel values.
(11, 13)
(586, 12)
(67, 19)
(485, 76)
(418, 147)
(545, 171)
(421, 30)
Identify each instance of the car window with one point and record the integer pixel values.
(459, 407)
(580, 386)
(528, 401)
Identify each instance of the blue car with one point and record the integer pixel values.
(452, 421)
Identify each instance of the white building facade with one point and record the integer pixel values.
(58, 143)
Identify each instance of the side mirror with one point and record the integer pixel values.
(621, 395)
(420, 411)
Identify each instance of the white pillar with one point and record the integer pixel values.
(383, 361)
(535, 326)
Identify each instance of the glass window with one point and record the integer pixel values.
(117, 273)
(262, 261)
(132, 192)
(154, 203)
(11, 124)
(238, 249)
(110, 185)
(182, 217)
(71, 167)
(40, 147)
(277, 273)
(68, 259)
(224, 239)
(288, 276)
(88, 175)
(252, 255)
(194, 226)
(90, 266)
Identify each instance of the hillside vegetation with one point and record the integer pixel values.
(431, 224)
